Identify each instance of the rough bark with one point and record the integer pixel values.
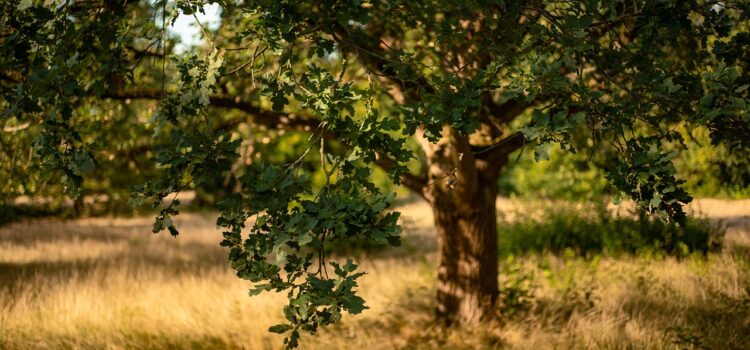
(467, 288)
(462, 190)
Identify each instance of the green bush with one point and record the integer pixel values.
(595, 230)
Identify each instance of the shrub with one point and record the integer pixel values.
(598, 231)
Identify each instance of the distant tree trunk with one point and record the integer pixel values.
(78, 206)
(462, 191)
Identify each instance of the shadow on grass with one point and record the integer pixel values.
(189, 258)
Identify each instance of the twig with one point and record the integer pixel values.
(205, 34)
(250, 62)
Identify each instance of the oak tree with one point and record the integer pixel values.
(471, 81)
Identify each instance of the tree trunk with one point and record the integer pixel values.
(467, 287)
(462, 190)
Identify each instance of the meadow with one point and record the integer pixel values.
(108, 283)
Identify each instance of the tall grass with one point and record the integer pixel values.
(110, 284)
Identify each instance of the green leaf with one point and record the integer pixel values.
(304, 239)
(354, 304)
(82, 163)
(541, 151)
(23, 5)
(280, 328)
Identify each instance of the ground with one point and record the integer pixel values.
(110, 284)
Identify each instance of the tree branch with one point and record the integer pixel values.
(416, 183)
(375, 59)
(138, 53)
(260, 116)
(496, 155)
(506, 112)
(272, 119)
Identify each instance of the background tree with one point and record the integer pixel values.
(471, 82)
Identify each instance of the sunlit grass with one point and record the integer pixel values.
(110, 284)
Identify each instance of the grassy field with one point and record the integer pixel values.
(110, 284)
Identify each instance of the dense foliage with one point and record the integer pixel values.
(708, 171)
(79, 81)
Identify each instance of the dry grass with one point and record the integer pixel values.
(110, 284)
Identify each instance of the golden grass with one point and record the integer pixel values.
(110, 284)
